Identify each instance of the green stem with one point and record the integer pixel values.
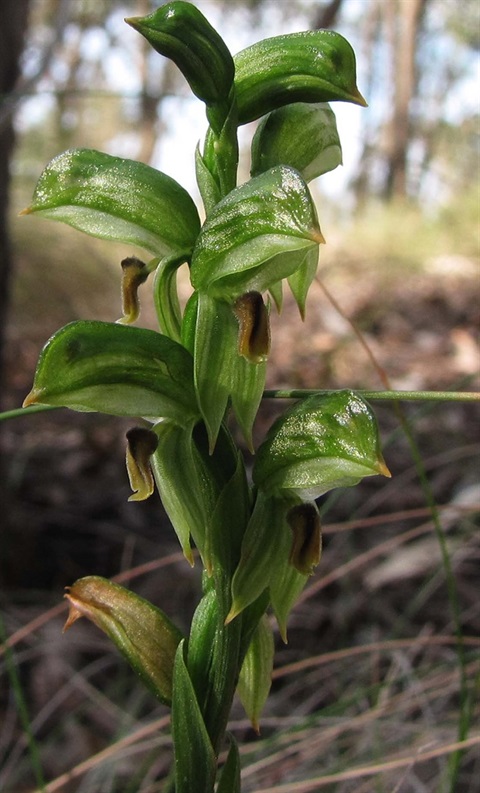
(221, 152)
(303, 393)
(465, 708)
(395, 396)
(22, 412)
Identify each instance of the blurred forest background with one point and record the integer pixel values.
(373, 676)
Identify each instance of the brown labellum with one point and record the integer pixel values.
(141, 444)
(304, 522)
(254, 327)
(134, 273)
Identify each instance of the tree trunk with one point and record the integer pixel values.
(326, 16)
(369, 31)
(403, 21)
(13, 23)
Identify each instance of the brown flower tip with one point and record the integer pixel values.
(74, 613)
(382, 468)
(318, 237)
(32, 398)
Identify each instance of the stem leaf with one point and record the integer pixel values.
(165, 291)
(230, 775)
(260, 555)
(185, 491)
(256, 672)
(195, 763)
(221, 372)
(213, 664)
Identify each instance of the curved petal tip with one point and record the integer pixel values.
(32, 398)
(382, 468)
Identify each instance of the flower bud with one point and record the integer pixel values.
(141, 444)
(143, 633)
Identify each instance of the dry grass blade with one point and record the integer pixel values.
(309, 785)
(415, 643)
(124, 577)
(297, 747)
(108, 754)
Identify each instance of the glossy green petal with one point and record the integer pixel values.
(323, 442)
(112, 368)
(179, 31)
(301, 135)
(301, 280)
(257, 227)
(117, 199)
(313, 66)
